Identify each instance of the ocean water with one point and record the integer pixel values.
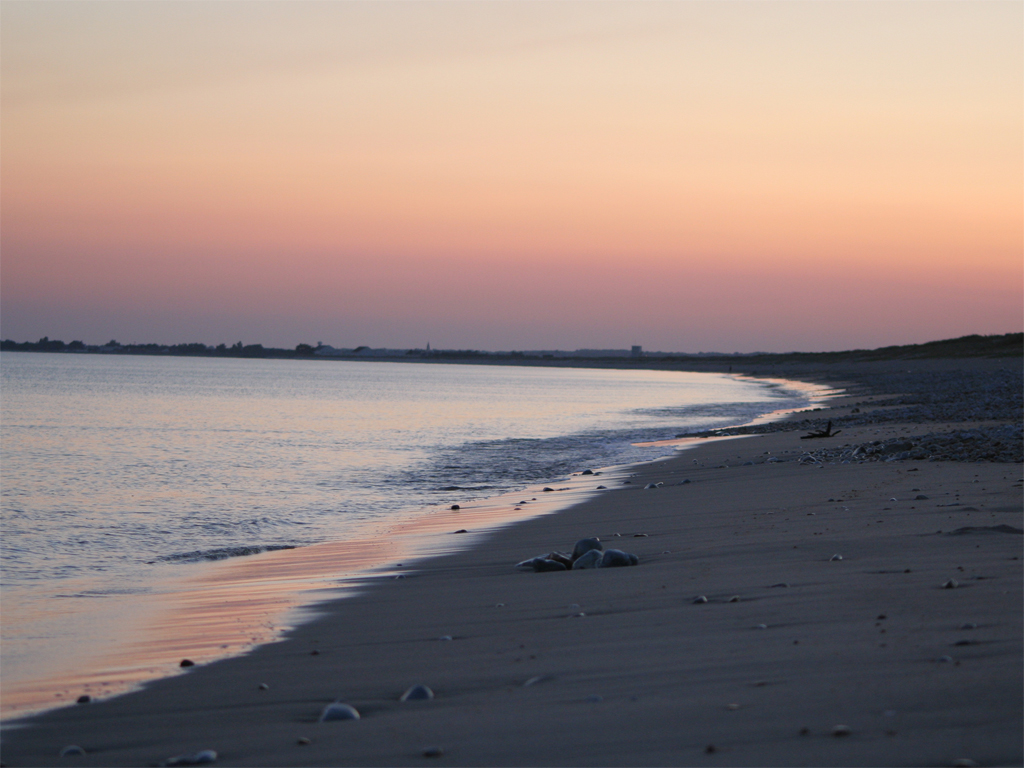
(117, 471)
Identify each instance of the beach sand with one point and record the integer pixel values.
(621, 666)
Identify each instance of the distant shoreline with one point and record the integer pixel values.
(994, 346)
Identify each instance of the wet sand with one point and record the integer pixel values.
(621, 666)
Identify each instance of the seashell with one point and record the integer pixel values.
(951, 584)
(687, 481)
(945, 659)
(590, 559)
(417, 693)
(639, 535)
(71, 749)
(264, 687)
(700, 599)
(835, 557)
(733, 599)
(762, 626)
(585, 545)
(338, 711)
(650, 486)
(780, 584)
(445, 637)
(537, 679)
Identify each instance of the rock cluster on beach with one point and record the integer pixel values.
(587, 553)
(1003, 443)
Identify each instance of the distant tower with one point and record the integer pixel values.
(428, 347)
(636, 351)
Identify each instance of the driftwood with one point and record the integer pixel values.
(826, 432)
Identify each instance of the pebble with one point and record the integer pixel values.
(84, 699)
(945, 659)
(762, 626)
(587, 472)
(187, 663)
(602, 488)
(461, 530)
(264, 687)
(433, 752)
(417, 693)
(920, 497)
(547, 490)
(951, 584)
(700, 599)
(639, 535)
(615, 558)
(197, 758)
(733, 599)
(303, 741)
(338, 711)
(835, 557)
(583, 546)
(72, 749)
(780, 584)
(710, 749)
(732, 707)
(445, 637)
(650, 486)
(842, 730)
(589, 559)
(455, 507)
(969, 625)
(687, 481)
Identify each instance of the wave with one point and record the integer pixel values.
(223, 553)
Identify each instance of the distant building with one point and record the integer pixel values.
(636, 351)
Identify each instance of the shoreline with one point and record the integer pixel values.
(230, 607)
(646, 676)
(179, 623)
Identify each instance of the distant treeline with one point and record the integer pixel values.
(1004, 345)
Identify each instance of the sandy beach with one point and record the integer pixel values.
(857, 611)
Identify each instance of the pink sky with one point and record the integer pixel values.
(686, 176)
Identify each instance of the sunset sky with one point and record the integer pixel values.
(689, 176)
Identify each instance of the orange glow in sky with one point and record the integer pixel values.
(683, 175)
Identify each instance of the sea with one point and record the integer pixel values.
(124, 477)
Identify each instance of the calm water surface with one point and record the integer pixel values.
(120, 470)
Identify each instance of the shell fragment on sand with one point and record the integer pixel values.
(418, 693)
(338, 711)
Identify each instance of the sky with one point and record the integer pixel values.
(686, 176)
